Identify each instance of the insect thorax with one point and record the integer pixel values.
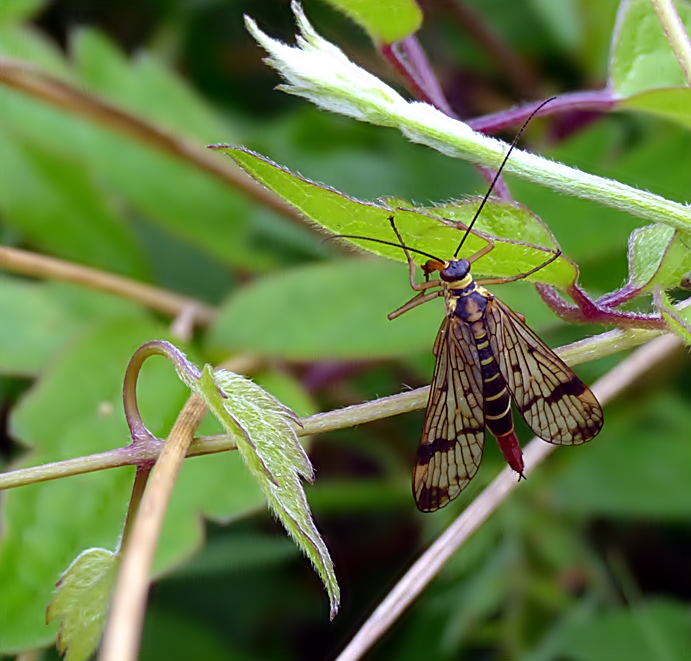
(468, 303)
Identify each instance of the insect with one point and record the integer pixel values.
(486, 356)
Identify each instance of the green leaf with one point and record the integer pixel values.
(19, 10)
(144, 86)
(42, 317)
(76, 409)
(637, 467)
(383, 20)
(678, 320)
(312, 312)
(517, 230)
(267, 442)
(659, 629)
(671, 103)
(658, 256)
(81, 602)
(521, 240)
(53, 202)
(642, 58)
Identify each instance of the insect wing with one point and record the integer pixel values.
(453, 432)
(553, 401)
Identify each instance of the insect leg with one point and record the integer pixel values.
(411, 264)
(520, 276)
(414, 302)
(482, 252)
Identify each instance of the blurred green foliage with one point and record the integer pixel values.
(588, 561)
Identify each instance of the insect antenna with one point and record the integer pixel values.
(386, 243)
(498, 173)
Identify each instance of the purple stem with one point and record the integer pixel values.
(408, 58)
(410, 52)
(619, 297)
(598, 100)
(138, 430)
(591, 312)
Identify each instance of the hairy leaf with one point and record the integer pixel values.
(81, 602)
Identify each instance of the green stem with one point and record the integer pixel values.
(321, 73)
(145, 452)
(141, 477)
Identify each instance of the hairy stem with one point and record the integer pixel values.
(142, 453)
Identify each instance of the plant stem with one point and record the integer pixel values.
(676, 34)
(34, 82)
(444, 548)
(594, 312)
(145, 452)
(597, 100)
(123, 628)
(160, 300)
(141, 477)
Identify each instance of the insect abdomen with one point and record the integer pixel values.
(497, 407)
(497, 399)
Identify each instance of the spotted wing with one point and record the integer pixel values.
(553, 401)
(453, 433)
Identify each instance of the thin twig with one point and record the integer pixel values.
(593, 100)
(443, 549)
(126, 616)
(39, 84)
(142, 453)
(160, 300)
(676, 34)
(141, 479)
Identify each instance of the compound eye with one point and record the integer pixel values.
(447, 275)
(456, 270)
